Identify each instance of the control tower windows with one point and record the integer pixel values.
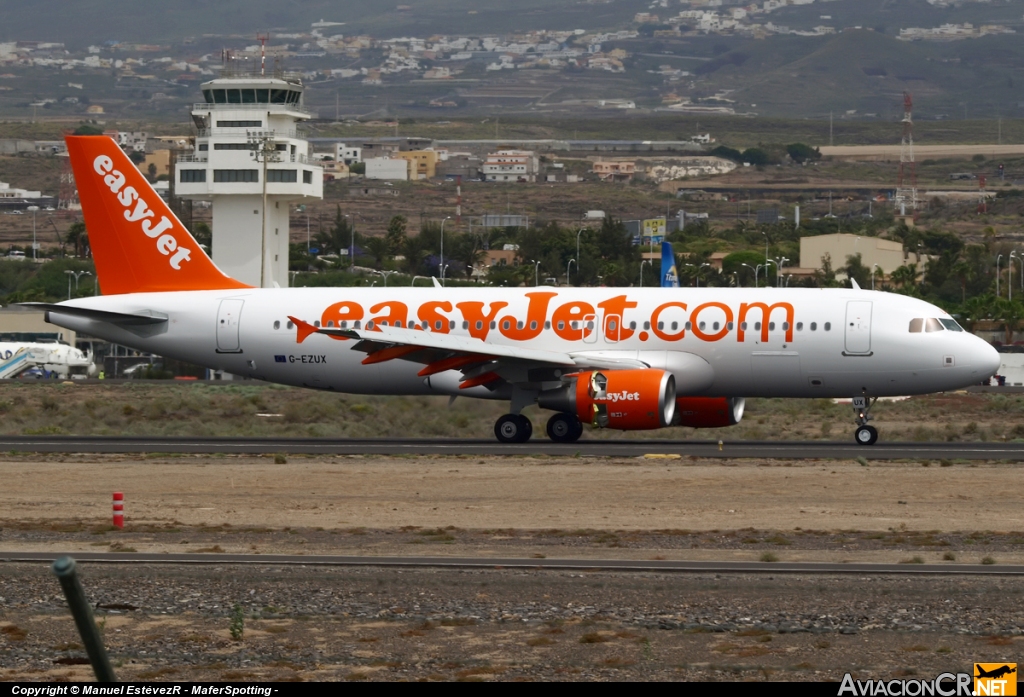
(236, 175)
(252, 96)
(278, 96)
(239, 124)
(249, 96)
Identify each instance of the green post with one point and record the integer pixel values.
(67, 573)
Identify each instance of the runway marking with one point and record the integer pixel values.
(681, 566)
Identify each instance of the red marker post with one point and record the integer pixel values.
(119, 510)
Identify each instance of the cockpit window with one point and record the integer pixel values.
(931, 324)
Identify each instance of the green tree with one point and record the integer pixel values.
(1010, 313)
(396, 234)
(79, 238)
(905, 279)
(856, 270)
(203, 235)
(378, 249)
(340, 236)
(798, 152)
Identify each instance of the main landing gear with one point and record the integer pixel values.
(513, 428)
(564, 428)
(516, 428)
(864, 435)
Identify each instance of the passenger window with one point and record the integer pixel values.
(330, 323)
(771, 326)
(757, 326)
(743, 326)
(344, 324)
(916, 325)
(647, 325)
(687, 326)
(494, 324)
(290, 325)
(590, 325)
(661, 325)
(932, 325)
(814, 326)
(479, 324)
(785, 326)
(277, 324)
(369, 324)
(675, 325)
(729, 326)
(506, 324)
(465, 325)
(828, 326)
(714, 326)
(355, 325)
(632, 325)
(547, 325)
(519, 324)
(451, 324)
(437, 325)
(316, 324)
(799, 326)
(611, 325)
(398, 323)
(561, 325)
(701, 325)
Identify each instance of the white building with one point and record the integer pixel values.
(250, 242)
(347, 154)
(7, 192)
(387, 168)
(511, 166)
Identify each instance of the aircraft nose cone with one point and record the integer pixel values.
(988, 360)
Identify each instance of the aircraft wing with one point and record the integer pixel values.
(479, 361)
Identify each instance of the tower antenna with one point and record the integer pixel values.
(906, 192)
(263, 38)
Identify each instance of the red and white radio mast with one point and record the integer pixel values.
(263, 38)
(906, 193)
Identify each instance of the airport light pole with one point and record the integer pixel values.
(573, 261)
(414, 279)
(1000, 256)
(34, 245)
(77, 275)
(443, 269)
(766, 262)
(752, 269)
(698, 272)
(873, 267)
(581, 231)
(536, 272)
(263, 149)
(1009, 275)
(441, 263)
(779, 261)
(642, 262)
(385, 274)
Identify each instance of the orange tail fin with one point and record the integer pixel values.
(138, 244)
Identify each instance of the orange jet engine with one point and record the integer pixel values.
(709, 412)
(628, 400)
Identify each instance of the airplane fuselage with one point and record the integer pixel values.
(723, 342)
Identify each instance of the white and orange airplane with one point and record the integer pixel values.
(621, 358)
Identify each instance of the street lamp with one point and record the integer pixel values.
(642, 262)
(443, 269)
(735, 279)
(77, 275)
(263, 149)
(697, 274)
(34, 245)
(385, 274)
(536, 272)
(873, 267)
(779, 261)
(1009, 275)
(581, 231)
(441, 263)
(414, 279)
(573, 261)
(752, 269)
(766, 262)
(997, 274)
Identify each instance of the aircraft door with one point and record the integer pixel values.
(590, 329)
(858, 328)
(228, 316)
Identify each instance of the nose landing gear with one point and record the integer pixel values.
(865, 434)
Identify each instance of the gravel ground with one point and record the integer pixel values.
(386, 624)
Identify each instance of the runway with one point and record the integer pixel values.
(1013, 451)
(665, 566)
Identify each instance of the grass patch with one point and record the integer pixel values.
(988, 561)
(593, 638)
(768, 557)
(13, 632)
(912, 560)
(540, 641)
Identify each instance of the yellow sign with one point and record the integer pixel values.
(995, 679)
(654, 227)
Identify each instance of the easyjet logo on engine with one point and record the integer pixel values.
(138, 211)
(623, 396)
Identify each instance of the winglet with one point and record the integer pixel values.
(853, 282)
(303, 329)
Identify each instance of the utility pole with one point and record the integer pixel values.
(264, 150)
(830, 128)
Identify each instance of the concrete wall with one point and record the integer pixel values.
(889, 255)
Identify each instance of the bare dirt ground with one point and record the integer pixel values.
(305, 623)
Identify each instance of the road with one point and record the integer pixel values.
(527, 563)
(1013, 451)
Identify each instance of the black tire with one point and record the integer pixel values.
(513, 428)
(564, 428)
(866, 435)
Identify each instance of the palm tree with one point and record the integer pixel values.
(1010, 312)
(905, 278)
(379, 249)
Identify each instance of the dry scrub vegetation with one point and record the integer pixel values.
(258, 409)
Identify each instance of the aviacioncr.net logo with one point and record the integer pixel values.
(944, 685)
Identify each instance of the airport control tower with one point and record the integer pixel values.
(251, 161)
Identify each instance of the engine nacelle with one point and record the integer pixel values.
(629, 400)
(709, 412)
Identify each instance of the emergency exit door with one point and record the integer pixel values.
(858, 328)
(228, 316)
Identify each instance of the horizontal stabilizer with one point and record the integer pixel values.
(121, 318)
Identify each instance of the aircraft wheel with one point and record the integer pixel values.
(513, 428)
(564, 428)
(866, 435)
